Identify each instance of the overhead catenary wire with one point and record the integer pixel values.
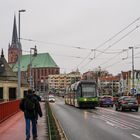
(91, 50)
(112, 58)
(60, 55)
(119, 61)
(112, 45)
(53, 43)
(102, 44)
(70, 46)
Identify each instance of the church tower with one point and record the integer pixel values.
(14, 47)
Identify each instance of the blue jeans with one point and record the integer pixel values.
(34, 128)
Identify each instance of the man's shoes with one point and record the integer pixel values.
(34, 137)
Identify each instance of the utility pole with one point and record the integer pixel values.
(19, 49)
(132, 48)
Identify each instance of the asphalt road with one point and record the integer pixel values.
(97, 124)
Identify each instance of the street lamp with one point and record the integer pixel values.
(31, 77)
(19, 49)
(132, 67)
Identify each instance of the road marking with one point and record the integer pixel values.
(123, 113)
(136, 136)
(121, 121)
(109, 123)
(116, 123)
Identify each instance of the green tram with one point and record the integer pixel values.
(82, 94)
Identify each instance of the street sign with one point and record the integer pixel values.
(133, 91)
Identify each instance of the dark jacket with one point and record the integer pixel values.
(37, 97)
(35, 112)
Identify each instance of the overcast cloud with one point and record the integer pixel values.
(70, 30)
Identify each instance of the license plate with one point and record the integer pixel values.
(108, 102)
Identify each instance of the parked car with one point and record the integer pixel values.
(51, 98)
(127, 102)
(105, 101)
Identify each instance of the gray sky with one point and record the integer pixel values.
(70, 30)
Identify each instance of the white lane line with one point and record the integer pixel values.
(121, 121)
(116, 123)
(136, 136)
(122, 113)
(109, 123)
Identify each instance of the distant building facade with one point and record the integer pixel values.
(108, 85)
(61, 81)
(126, 85)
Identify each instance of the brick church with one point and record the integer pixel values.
(42, 64)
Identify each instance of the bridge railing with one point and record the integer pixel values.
(8, 109)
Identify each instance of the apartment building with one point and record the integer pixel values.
(61, 81)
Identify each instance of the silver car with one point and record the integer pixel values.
(51, 98)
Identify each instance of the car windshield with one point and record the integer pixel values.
(51, 97)
(129, 99)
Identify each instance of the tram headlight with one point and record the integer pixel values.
(85, 99)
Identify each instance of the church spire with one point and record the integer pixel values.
(14, 49)
(2, 54)
(15, 36)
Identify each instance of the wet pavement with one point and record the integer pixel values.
(14, 127)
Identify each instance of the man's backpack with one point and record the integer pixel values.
(30, 108)
(30, 104)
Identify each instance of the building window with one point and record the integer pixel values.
(45, 72)
(38, 73)
(42, 72)
(52, 71)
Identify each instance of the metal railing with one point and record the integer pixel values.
(8, 109)
(55, 130)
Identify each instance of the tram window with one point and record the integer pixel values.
(78, 91)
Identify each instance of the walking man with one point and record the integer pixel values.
(31, 108)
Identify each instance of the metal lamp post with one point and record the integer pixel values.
(31, 77)
(132, 67)
(19, 73)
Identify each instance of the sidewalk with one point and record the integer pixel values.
(14, 127)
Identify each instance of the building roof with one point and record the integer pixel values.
(109, 78)
(41, 60)
(6, 73)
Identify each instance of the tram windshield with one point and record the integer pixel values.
(88, 90)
